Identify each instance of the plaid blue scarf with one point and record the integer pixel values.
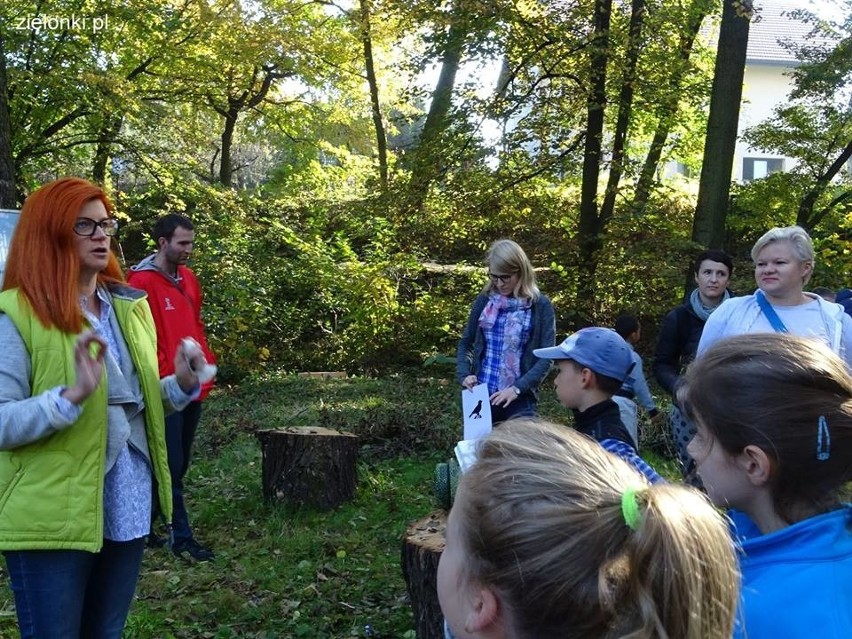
(506, 322)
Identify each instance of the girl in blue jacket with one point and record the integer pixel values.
(774, 441)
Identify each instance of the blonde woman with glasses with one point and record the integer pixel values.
(509, 319)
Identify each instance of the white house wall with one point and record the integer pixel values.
(765, 86)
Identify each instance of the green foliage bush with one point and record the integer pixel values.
(286, 289)
(310, 284)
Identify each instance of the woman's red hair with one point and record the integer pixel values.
(43, 263)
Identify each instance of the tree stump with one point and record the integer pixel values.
(311, 466)
(421, 550)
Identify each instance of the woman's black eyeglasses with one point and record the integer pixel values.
(85, 227)
(503, 278)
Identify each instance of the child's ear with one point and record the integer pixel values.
(756, 463)
(484, 613)
(587, 378)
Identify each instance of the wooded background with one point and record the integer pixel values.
(347, 163)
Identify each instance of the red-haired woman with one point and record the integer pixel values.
(81, 418)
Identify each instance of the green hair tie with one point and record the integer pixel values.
(630, 508)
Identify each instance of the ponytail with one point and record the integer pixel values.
(682, 570)
(576, 544)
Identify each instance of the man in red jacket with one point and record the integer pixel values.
(175, 299)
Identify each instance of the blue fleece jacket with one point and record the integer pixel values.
(797, 582)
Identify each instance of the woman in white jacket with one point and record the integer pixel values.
(783, 265)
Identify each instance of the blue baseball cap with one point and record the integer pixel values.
(600, 349)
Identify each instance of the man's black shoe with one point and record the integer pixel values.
(194, 549)
(153, 540)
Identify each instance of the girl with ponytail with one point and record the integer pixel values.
(553, 537)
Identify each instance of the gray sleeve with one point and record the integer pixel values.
(174, 399)
(640, 385)
(23, 419)
(464, 350)
(846, 339)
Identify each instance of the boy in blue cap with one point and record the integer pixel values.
(593, 364)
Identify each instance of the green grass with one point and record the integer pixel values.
(284, 571)
(295, 572)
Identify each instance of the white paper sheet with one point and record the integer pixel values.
(466, 453)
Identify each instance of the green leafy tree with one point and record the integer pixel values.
(51, 80)
(824, 79)
(681, 87)
(7, 160)
(819, 138)
(80, 74)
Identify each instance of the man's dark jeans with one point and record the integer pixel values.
(180, 434)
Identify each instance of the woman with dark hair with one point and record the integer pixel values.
(81, 418)
(510, 318)
(679, 336)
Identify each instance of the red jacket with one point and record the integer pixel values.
(176, 307)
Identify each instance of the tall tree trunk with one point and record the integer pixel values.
(248, 99)
(647, 176)
(427, 165)
(381, 137)
(436, 119)
(625, 107)
(715, 185)
(8, 194)
(589, 231)
(226, 169)
(103, 152)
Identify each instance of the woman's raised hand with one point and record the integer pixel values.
(89, 352)
(188, 360)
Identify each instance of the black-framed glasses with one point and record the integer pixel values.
(85, 226)
(502, 278)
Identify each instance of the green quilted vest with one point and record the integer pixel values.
(51, 491)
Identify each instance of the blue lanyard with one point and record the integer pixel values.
(769, 312)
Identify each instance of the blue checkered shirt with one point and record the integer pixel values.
(628, 454)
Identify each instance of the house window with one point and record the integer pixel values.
(756, 168)
(682, 169)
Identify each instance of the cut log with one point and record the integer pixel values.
(324, 374)
(421, 550)
(310, 466)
